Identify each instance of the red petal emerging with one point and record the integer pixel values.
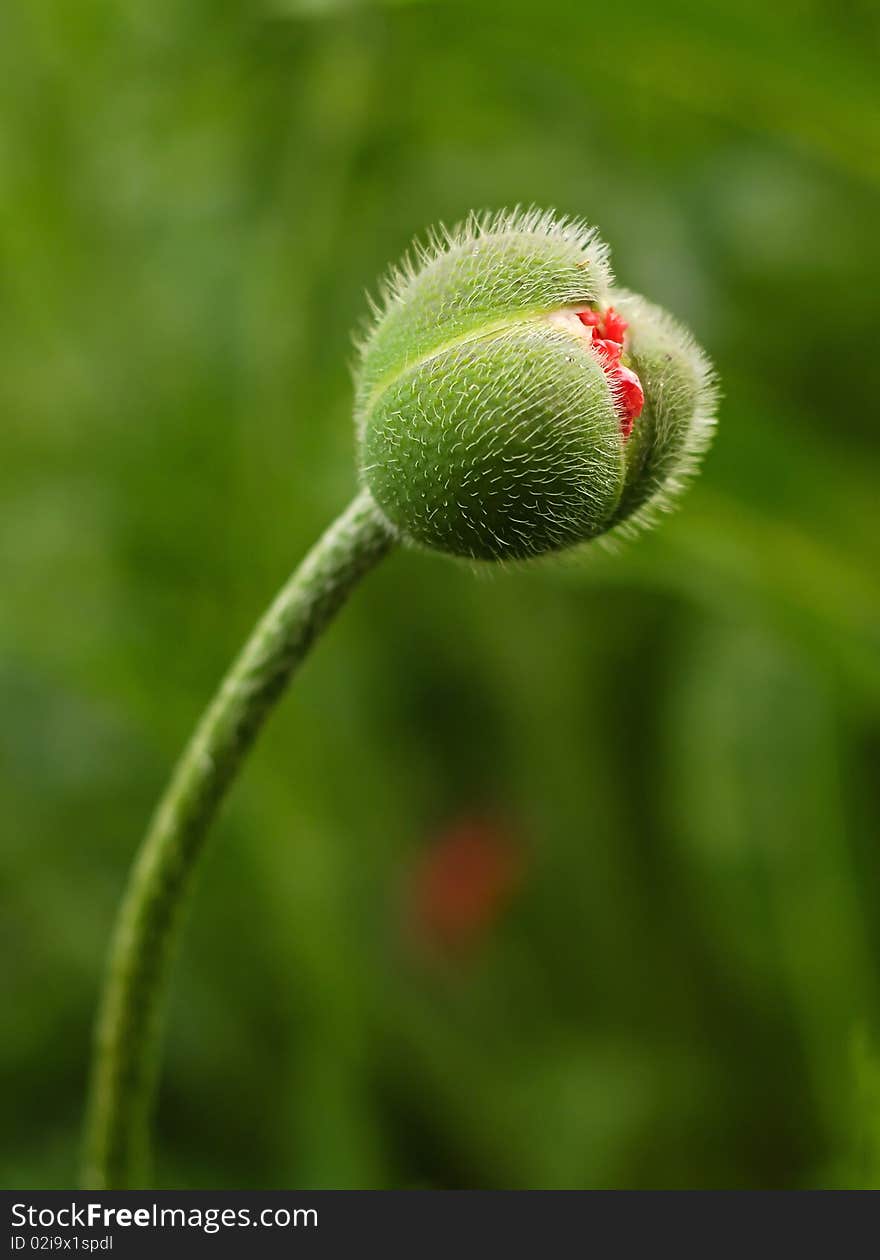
(609, 325)
(590, 318)
(613, 326)
(610, 351)
(608, 331)
(630, 397)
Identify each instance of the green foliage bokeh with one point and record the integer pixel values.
(684, 990)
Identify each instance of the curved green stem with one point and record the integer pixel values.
(128, 1030)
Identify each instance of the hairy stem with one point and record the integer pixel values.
(126, 1050)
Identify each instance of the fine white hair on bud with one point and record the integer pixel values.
(510, 401)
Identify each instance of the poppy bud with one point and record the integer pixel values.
(511, 402)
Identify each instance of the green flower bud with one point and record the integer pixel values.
(511, 402)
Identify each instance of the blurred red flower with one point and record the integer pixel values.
(461, 884)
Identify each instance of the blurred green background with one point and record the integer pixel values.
(675, 747)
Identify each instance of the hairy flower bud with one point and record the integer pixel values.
(510, 401)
